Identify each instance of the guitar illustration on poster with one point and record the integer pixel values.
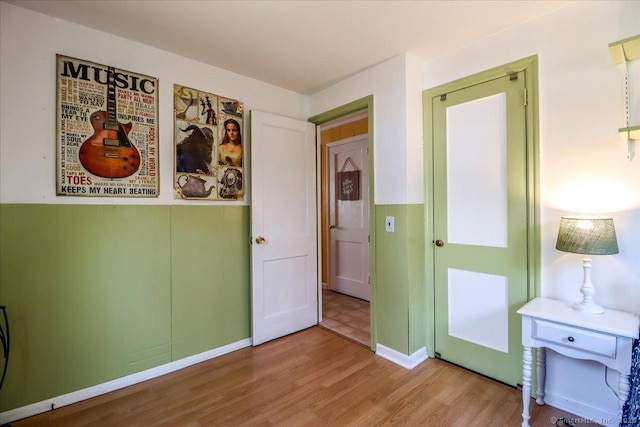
(108, 153)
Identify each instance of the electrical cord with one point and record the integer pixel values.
(606, 381)
(5, 341)
(560, 422)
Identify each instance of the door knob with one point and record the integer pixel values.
(332, 226)
(439, 243)
(260, 240)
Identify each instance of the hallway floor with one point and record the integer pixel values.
(346, 316)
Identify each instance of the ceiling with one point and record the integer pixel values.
(299, 45)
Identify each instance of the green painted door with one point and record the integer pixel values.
(480, 226)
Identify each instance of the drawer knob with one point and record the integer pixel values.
(571, 339)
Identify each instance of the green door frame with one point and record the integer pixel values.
(336, 113)
(530, 67)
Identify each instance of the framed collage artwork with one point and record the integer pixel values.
(209, 157)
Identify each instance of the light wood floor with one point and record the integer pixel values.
(347, 316)
(311, 378)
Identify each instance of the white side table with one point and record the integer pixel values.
(606, 338)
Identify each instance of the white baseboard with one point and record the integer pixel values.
(401, 359)
(585, 413)
(97, 390)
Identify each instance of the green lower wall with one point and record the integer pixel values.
(95, 293)
(400, 304)
(210, 271)
(417, 298)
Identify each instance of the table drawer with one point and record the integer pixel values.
(576, 338)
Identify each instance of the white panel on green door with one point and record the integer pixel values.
(479, 308)
(477, 172)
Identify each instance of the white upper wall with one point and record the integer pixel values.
(583, 163)
(396, 86)
(29, 43)
(387, 83)
(415, 140)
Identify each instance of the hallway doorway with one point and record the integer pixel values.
(348, 216)
(343, 314)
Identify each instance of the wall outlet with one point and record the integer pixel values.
(389, 224)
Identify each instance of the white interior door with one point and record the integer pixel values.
(349, 219)
(283, 226)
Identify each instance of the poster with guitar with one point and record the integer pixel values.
(107, 131)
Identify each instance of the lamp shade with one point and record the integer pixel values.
(587, 235)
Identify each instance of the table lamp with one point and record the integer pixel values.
(588, 236)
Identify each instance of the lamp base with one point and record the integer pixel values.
(589, 308)
(587, 305)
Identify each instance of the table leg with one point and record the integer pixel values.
(527, 360)
(541, 374)
(623, 393)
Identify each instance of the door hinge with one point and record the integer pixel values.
(369, 279)
(526, 97)
(369, 239)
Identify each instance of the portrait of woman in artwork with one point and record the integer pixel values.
(230, 148)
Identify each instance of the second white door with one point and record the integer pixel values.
(283, 225)
(349, 217)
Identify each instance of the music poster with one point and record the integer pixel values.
(209, 158)
(107, 131)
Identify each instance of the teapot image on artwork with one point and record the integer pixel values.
(193, 186)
